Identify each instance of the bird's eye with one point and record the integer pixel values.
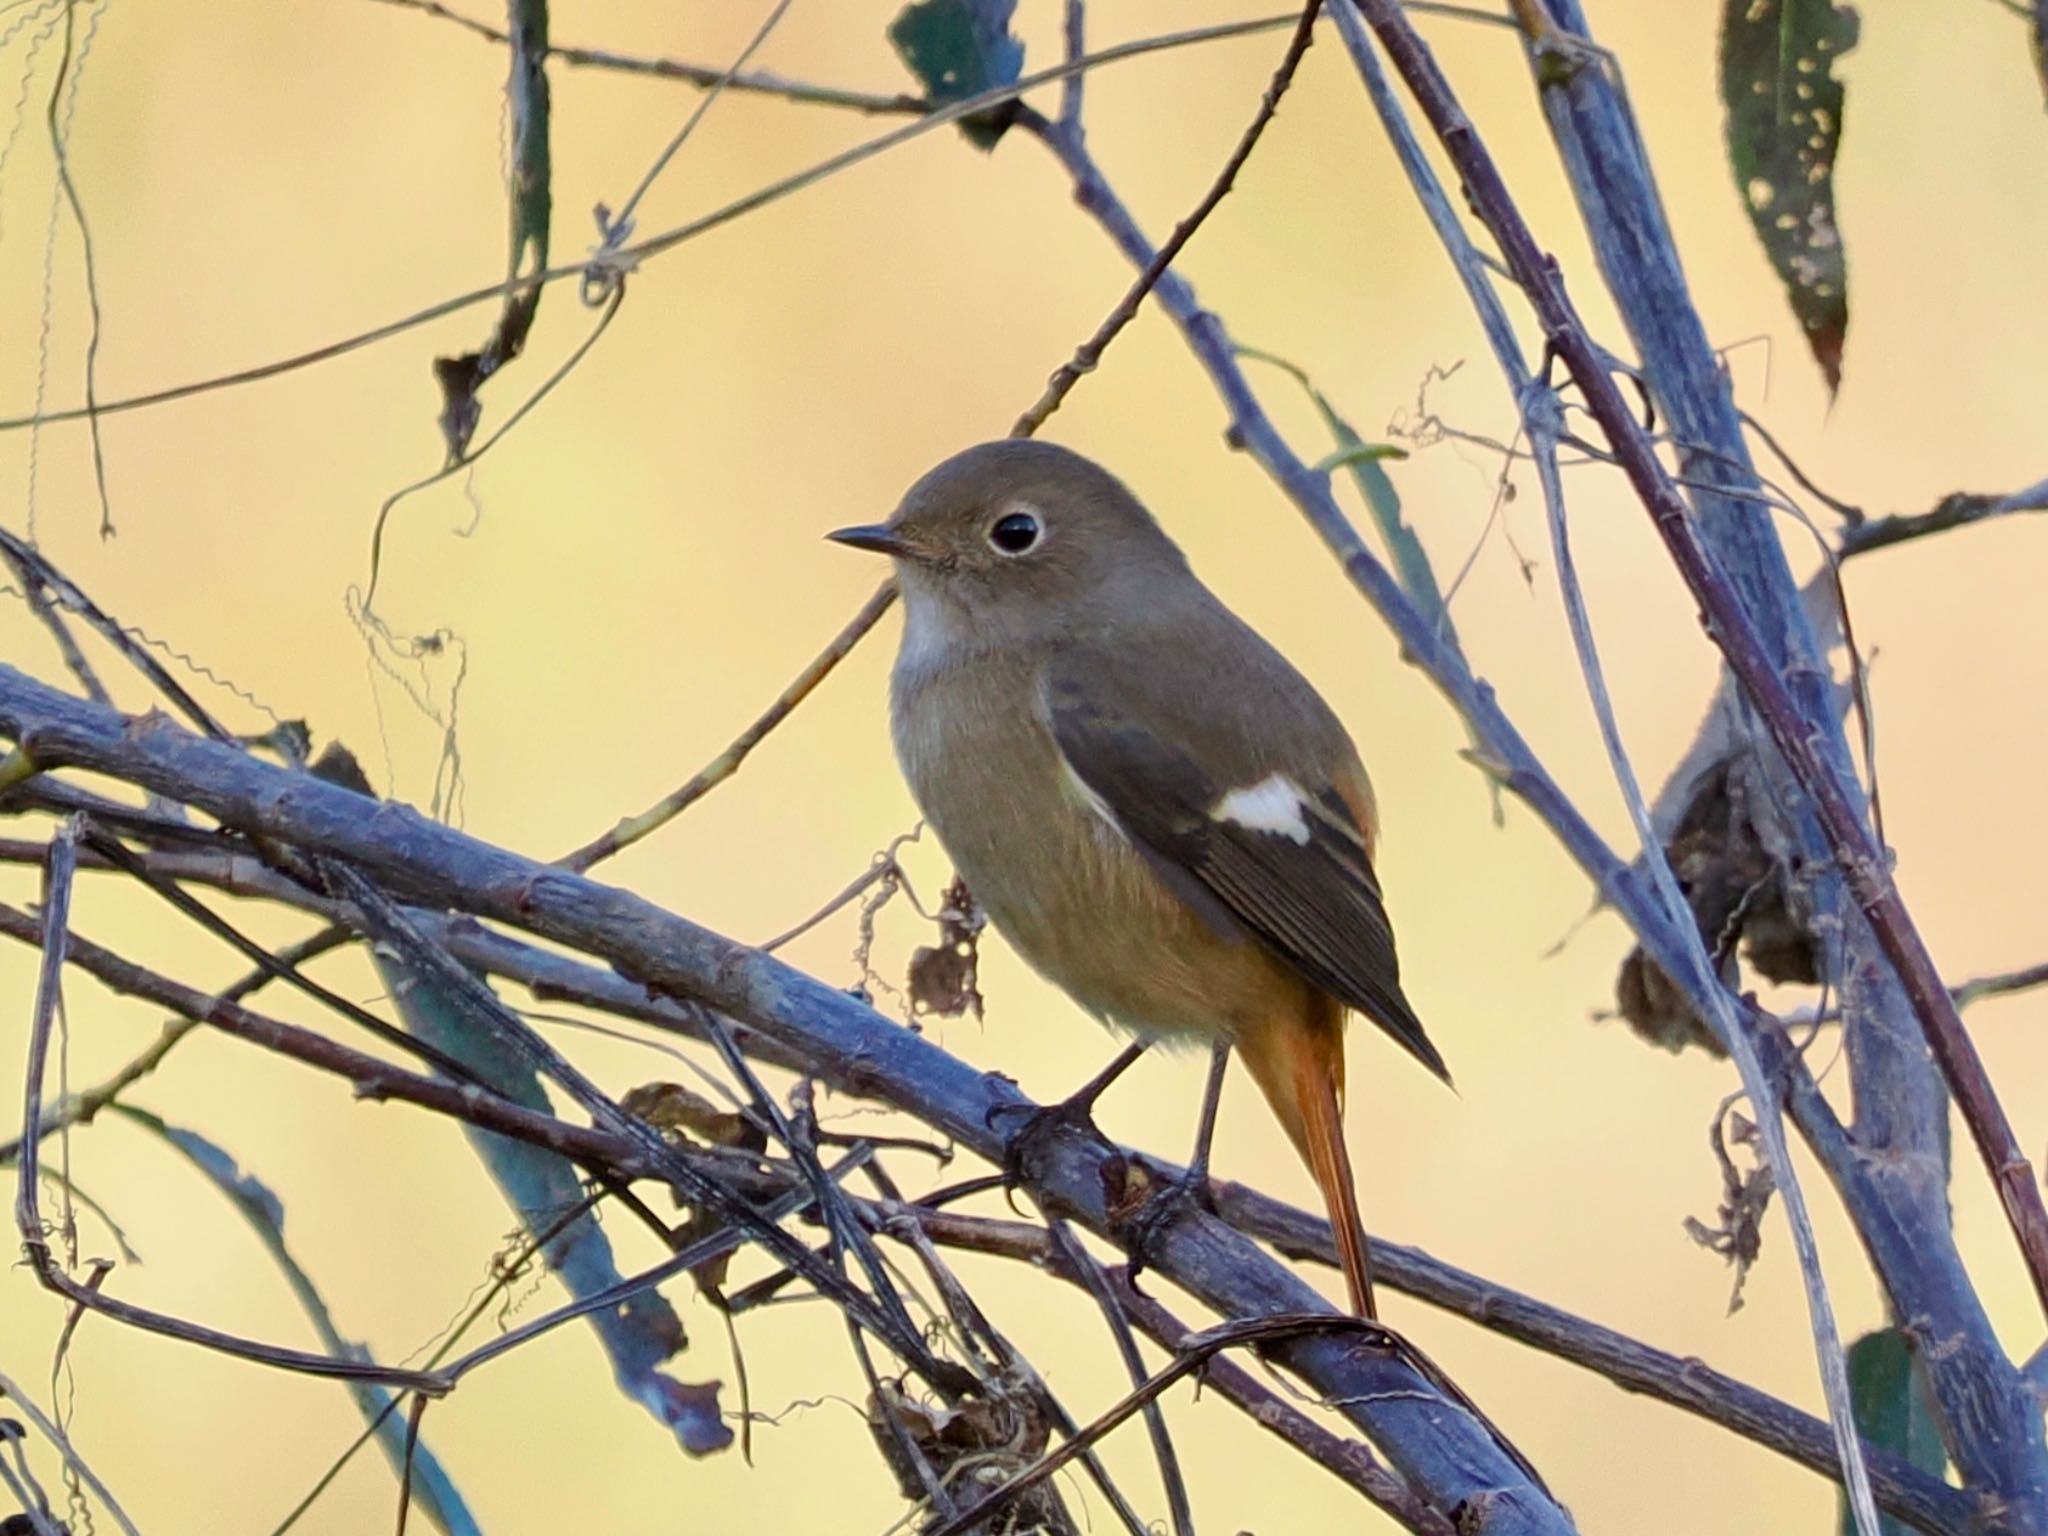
(1014, 533)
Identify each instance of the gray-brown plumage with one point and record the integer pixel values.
(1156, 810)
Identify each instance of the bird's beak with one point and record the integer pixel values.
(877, 537)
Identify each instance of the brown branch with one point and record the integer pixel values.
(371, 1077)
(726, 764)
(1682, 1383)
(1194, 1351)
(690, 74)
(53, 936)
(1089, 353)
(1958, 509)
(1350, 1461)
(1863, 864)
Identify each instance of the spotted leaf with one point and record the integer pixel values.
(1784, 126)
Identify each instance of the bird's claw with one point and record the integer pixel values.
(1041, 1122)
(1152, 1203)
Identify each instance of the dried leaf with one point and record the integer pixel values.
(960, 48)
(1740, 897)
(532, 190)
(943, 976)
(682, 1115)
(675, 1110)
(1784, 126)
(978, 1444)
(337, 765)
(1745, 1196)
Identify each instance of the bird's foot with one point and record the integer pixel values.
(1041, 1123)
(1037, 1126)
(1151, 1202)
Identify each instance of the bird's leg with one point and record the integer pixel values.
(1164, 1203)
(1076, 1110)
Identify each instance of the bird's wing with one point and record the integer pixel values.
(1285, 854)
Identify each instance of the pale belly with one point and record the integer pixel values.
(1059, 882)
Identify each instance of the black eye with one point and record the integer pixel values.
(1014, 533)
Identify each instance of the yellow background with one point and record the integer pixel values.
(638, 569)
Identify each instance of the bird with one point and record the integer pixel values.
(1156, 810)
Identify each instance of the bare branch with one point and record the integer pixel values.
(1959, 509)
(689, 74)
(1685, 1384)
(727, 763)
(1089, 353)
(1432, 1440)
(656, 245)
(1731, 627)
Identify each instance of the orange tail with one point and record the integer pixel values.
(1298, 1063)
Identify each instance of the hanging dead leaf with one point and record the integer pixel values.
(975, 1445)
(943, 976)
(675, 1110)
(688, 1117)
(1745, 1196)
(1742, 899)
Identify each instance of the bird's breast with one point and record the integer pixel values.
(1058, 880)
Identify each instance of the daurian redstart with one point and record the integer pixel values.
(1158, 812)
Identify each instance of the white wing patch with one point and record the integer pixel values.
(1274, 804)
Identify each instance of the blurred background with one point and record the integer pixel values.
(638, 568)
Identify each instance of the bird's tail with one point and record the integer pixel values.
(1298, 1063)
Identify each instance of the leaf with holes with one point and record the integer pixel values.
(1894, 1410)
(960, 48)
(1784, 126)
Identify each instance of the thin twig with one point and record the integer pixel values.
(726, 764)
(1074, 33)
(1095, 1282)
(56, 118)
(1541, 419)
(53, 1432)
(1194, 1352)
(460, 989)
(1730, 626)
(1959, 509)
(84, 1105)
(618, 228)
(668, 240)
(703, 76)
(1351, 1460)
(905, 1223)
(1089, 353)
(1966, 993)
